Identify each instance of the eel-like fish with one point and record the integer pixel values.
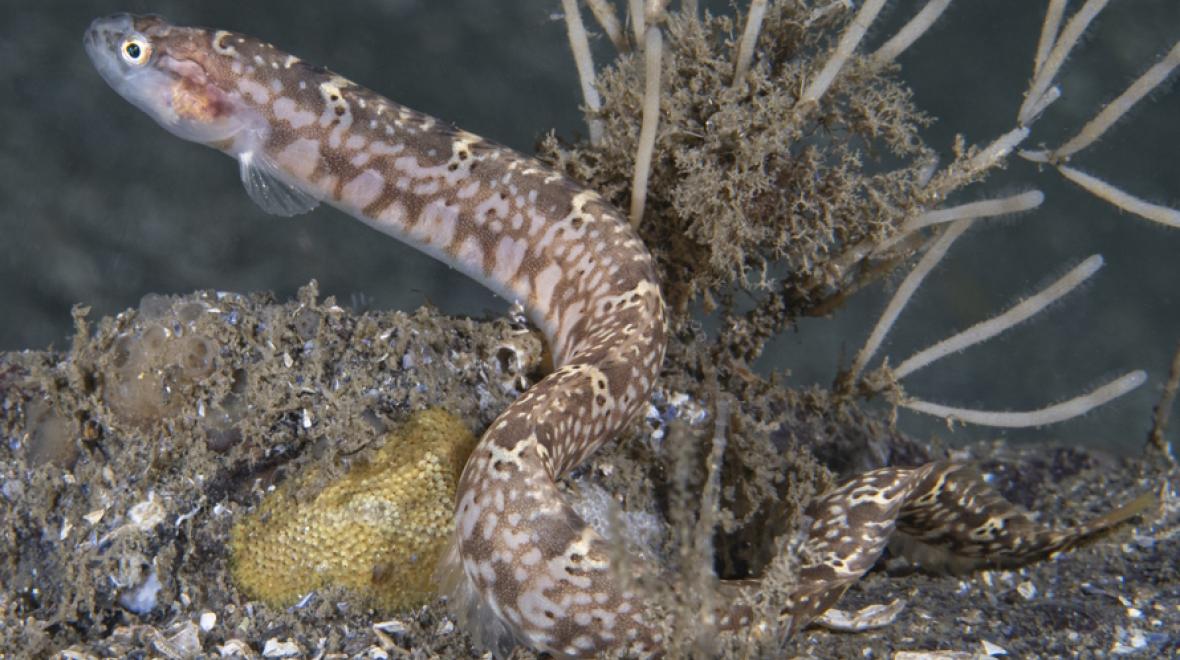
(526, 568)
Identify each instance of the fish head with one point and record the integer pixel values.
(177, 76)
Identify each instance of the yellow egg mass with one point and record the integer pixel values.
(377, 531)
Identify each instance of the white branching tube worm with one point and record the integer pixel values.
(1068, 38)
(909, 285)
(1118, 107)
(652, 54)
(1045, 101)
(745, 53)
(605, 15)
(844, 49)
(1048, 415)
(635, 8)
(910, 32)
(1053, 14)
(982, 209)
(580, 45)
(1020, 312)
(1125, 201)
(997, 150)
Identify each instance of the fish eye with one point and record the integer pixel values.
(135, 51)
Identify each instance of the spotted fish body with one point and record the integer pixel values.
(525, 568)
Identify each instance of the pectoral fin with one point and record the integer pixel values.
(266, 186)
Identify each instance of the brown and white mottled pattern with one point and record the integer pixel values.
(526, 568)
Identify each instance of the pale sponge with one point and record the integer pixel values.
(378, 531)
(157, 364)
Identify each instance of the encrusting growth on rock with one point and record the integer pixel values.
(154, 365)
(378, 531)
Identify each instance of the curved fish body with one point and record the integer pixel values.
(525, 568)
(302, 134)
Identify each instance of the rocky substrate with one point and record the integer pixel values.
(128, 459)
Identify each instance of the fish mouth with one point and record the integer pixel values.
(102, 41)
(143, 86)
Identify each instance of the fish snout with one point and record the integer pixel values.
(105, 34)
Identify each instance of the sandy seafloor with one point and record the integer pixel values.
(127, 461)
(101, 207)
